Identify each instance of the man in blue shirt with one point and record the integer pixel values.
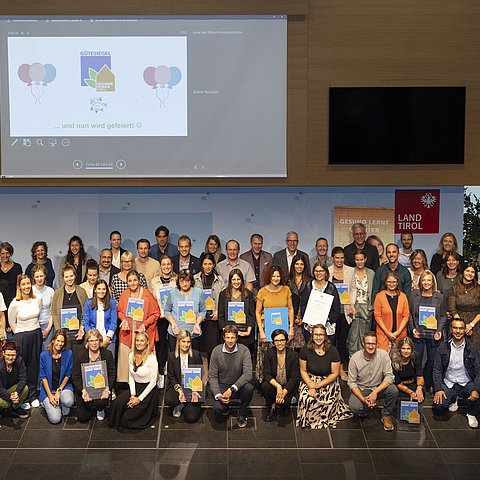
(456, 373)
(405, 279)
(163, 246)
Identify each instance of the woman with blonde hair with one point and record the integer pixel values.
(448, 243)
(182, 358)
(137, 407)
(427, 336)
(23, 314)
(119, 281)
(93, 352)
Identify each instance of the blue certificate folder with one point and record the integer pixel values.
(275, 318)
(192, 381)
(409, 412)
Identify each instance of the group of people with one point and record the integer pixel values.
(363, 309)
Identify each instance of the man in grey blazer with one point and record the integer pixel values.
(283, 258)
(259, 259)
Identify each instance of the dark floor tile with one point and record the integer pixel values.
(407, 463)
(348, 438)
(298, 476)
(450, 421)
(205, 422)
(349, 424)
(464, 455)
(42, 472)
(40, 456)
(443, 476)
(9, 443)
(178, 456)
(101, 431)
(313, 438)
(54, 439)
(133, 463)
(197, 471)
(264, 463)
(188, 439)
(463, 471)
(71, 423)
(38, 421)
(12, 428)
(337, 455)
(457, 438)
(6, 456)
(260, 434)
(121, 444)
(338, 471)
(377, 437)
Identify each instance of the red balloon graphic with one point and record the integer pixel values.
(23, 73)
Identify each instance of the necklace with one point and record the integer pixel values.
(69, 295)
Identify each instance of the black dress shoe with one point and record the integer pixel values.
(271, 414)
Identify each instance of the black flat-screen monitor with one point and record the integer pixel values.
(396, 125)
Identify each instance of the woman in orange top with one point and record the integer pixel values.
(151, 312)
(391, 312)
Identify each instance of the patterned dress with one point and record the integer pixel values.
(328, 407)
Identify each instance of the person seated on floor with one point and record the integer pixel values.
(93, 352)
(408, 371)
(13, 381)
(370, 377)
(280, 375)
(456, 373)
(183, 357)
(137, 407)
(230, 375)
(320, 401)
(56, 390)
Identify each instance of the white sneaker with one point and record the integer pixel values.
(35, 403)
(472, 421)
(453, 407)
(26, 406)
(160, 381)
(100, 415)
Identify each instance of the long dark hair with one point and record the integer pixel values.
(81, 252)
(460, 287)
(243, 290)
(306, 277)
(106, 300)
(207, 256)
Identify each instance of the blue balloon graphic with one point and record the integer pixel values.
(50, 73)
(176, 76)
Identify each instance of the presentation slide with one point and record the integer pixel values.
(96, 87)
(197, 96)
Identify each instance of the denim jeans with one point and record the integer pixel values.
(54, 414)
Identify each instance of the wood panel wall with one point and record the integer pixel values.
(333, 42)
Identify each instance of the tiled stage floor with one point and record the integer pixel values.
(34, 450)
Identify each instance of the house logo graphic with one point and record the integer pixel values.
(96, 71)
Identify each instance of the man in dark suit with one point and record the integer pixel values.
(359, 243)
(184, 262)
(259, 259)
(283, 258)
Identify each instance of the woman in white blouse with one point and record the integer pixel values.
(137, 407)
(23, 314)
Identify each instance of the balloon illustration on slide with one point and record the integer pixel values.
(37, 76)
(162, 79)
